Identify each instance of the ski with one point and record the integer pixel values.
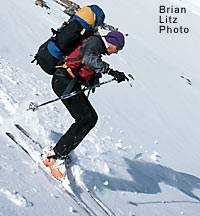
(92, 195)
(72, 7)
(28, 135)
(76, 199)
(71, 178)
(102, 205)
(12, 137)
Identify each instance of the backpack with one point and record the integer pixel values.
(80, 26)
(77, 68)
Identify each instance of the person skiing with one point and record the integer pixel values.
(83, 66)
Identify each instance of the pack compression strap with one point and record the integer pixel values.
(68, 69)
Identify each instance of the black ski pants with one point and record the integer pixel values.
(81, 110)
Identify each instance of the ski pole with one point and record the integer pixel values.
(34, 106)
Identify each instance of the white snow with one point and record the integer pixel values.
(16, 198)
(142, 158)
(192, 5)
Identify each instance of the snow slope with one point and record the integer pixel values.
(142, 158)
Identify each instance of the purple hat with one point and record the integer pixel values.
(116, 38)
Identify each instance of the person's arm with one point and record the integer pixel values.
(91, 54)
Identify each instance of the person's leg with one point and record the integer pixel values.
(84, 115)
(85, 119)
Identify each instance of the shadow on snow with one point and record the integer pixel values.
(146, 178)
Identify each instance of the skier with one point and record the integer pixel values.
(83, 66)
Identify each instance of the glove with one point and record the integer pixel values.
(94, 81)
(119, 76)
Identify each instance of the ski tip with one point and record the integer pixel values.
(11, 136)
(17, 125)
(8, 134)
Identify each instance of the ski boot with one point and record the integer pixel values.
(52, 161)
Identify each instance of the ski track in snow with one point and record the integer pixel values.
(16, 198)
